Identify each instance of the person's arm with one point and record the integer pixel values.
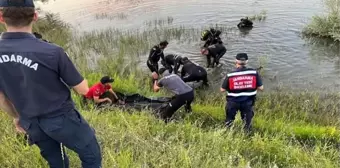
(224, 85)
(157, 85)
(208, 61)
(152, 53)
(7, 106)
(183, 72)
(111, 91)
(177, 65)
(70, 75)
(98, 100)
(259, 83)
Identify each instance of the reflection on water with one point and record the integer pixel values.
(292, 60)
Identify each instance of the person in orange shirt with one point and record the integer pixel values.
(97, 90)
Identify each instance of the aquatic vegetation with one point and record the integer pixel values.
(327, 25)
(291, 129)
(259, 17)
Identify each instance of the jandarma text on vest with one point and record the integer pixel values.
(19, 59)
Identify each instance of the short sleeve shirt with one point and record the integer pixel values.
(97, 90)
(36, 76)
(174, 84)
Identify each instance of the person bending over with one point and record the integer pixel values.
(172, 60)
(96, 91)
(184, 94)
(211, 37)
(193, 72)
(215, 51)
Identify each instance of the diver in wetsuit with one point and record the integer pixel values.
(216, 51)
(245, 23)
(211, 37)
(193, 72)
(156, 53)
(172, 60)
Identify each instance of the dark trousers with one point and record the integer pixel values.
(218, 57)
(69, 129)
(179, 100)
(246, 109)
(152, 66)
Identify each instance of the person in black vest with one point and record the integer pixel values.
(172, 60)
(211, 37)
(35, 82)
(193, 72)
(241, 85)
(156, 53)
(215, 51)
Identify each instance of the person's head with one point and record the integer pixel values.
(241, 60)
(163, 71)
(204, 51)
(163, 44)
(184, 60)
(18, 14)
(106, 80)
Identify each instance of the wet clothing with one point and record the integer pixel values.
(36, 77)
(245, 23)
(211, 37)
(172, 60)
(156, 53)
(184, 94)
(241, 86)
(216, 51)
(193, 72)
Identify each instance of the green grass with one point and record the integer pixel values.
(290, 129)
(326, 25)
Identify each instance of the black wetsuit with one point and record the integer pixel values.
(193, 72)
(245, 23)
(216, 51)
(156, 53)
(172, 60)
(211, 37)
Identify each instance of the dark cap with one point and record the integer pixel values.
(17, 3)
(106, 79)
(164, 43)
(242, 57)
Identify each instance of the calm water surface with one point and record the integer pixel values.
(292, 61)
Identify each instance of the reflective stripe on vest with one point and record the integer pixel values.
(242, 94)
(242, 83)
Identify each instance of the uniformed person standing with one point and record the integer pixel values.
(241, 85)
(35, 77)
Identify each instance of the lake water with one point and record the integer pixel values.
(291, 60)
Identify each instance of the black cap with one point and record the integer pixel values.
(164, 43)
(106, 79)
(17, 3)
(242, 57)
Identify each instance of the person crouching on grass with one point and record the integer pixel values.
(97, 91)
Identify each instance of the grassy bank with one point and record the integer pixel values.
(326, 25)
(290, 129)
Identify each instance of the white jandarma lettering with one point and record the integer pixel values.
(19, 59)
